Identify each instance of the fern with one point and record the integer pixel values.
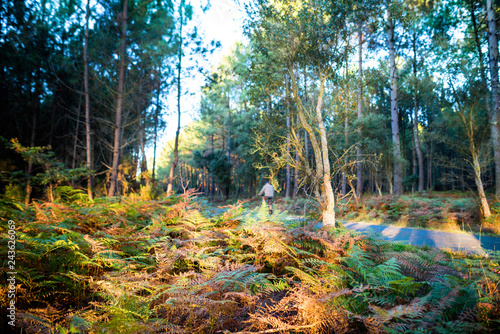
(169, 265)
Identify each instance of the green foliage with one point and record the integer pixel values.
(54, 173)
(67, 194)
(14, 192)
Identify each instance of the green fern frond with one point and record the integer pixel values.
(305, 278)
(383, 273)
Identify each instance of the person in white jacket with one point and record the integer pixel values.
(268, 193)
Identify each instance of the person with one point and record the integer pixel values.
(268, 193)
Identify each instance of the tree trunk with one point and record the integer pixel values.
(144, 163)
(429, 168)
(319, 145)
(30, 160)
(75, 143)
(288, 176)
(113, 189)
(228, 127)
(414, 166)
(477, 39)
(175, 162)
(495, 112)
(346, 141)
(359, 163)
(416, 139)
(296, 176)
(88, 140)
(398, 167)
(483, 202)
(155, 135)
(328, 207)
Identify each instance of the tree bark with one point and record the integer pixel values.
(75, 142)
(175, 161)
(477, 39)
(155, 135)
(228, 127)
(398, 167)
(141, 135)
(30, 160)
(429, 168)
(416, 139)
(296, 176)
(344, 169)
(359, 152)
(484, 206)
(88, 138)
(495, 94)
(113, 189)
(288, 176)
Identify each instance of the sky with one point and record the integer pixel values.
(223, 22)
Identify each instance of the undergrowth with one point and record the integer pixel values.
(174, 266)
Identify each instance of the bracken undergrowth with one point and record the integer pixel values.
(175, 266)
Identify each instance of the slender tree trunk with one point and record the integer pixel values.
(288, 176)
(414, 166)
(359, 152)
(346, 141)
(228, 127)
(416, 139)
(175, 162)
(485, 208)
(306, 135)
(212, 182)
(30, 160)
(306, 144)
(429, 168)
(36, 110)
(75, 142)
(155, 135)
(88, 139)
(495, 94)
(398, 167)
(482, 69)
(113, 189)
(328, 207)
(377, 186)
(142, 144)
(296, 176)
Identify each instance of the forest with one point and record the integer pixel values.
(380, 112)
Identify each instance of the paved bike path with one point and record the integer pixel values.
(456, 241)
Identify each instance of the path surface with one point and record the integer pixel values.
(455, 241)
(469, 243)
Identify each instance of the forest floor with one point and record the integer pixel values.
(182, 264)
